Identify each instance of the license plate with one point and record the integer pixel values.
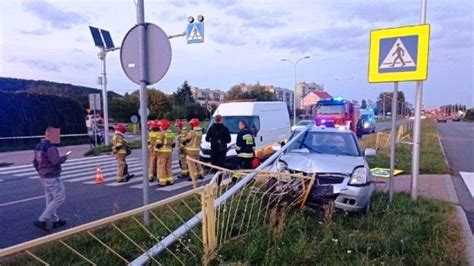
(319, 191)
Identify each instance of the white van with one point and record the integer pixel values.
(269, 121)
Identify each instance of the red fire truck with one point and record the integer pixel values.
(337, 112)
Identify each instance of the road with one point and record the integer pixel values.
(22, 200)
(387, 125)
(458, 143)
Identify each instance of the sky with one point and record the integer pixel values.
(244, 42)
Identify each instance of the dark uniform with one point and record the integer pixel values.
(245, 148)
(218, 135)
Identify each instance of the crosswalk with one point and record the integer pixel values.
(468, 178)
(83, 170)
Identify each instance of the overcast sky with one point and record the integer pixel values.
(244, 42)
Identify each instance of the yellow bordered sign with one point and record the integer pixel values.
(399, 54)
(384, 172)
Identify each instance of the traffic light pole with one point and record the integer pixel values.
(103, 55)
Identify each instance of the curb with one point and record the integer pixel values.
(452, 195)
(442, 149)
(467, 236)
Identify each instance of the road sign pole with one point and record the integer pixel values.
(105, 100)
(143, 101)
(393, 137)
(415, 164)
(93, 125)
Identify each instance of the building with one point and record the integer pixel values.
(202, 96)
(283, 95)
(313, 97)
(303, 88)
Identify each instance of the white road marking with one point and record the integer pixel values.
(20, 201)
(468, 178)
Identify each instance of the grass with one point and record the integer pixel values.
(432, 160)
(422, 232)
(107, 149)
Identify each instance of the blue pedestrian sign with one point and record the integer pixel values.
(195, 32)
(398, 54)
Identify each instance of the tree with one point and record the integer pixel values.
(255, 92)
(183, 95)
(234, 93)
(388, 96)
(363, 105)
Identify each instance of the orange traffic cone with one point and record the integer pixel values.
(99, 177)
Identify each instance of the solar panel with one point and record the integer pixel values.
(97, 38)
(107, 39)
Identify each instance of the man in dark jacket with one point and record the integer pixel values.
(218, 135)
(245, 146)
(47, 163)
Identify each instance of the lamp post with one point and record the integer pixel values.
(294, 94)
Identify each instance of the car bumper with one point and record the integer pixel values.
(345, 197)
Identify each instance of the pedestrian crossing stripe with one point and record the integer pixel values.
(398, 57)
(468, 178)
(83, 170)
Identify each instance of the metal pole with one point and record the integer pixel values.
(383, 105)
(94, 124)
(294, 99)
(415, 164)
(104, 96)
(143, 101)
(393, 137)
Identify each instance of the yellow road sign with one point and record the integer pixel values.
(399, 54)
(384, 172)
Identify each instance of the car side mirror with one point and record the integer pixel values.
(369, 152)
(276, 148)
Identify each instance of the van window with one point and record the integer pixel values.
(232, 123)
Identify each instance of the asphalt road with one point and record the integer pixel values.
(387, 125)
(21, 203)
(458, 143)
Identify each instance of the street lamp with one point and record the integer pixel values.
(294, 93)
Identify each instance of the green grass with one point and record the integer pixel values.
(107, 149)
(432, 160)
(422, 232)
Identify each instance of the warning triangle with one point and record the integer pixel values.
(398, 57)
(195, 34)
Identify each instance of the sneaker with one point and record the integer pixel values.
(41, 225)
(129, 177)
(59, 223)
(151, 180)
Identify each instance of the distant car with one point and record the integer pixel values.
(342, 173)
(302, 124)
(441, 119)
(456, 118)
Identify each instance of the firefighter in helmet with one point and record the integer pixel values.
(121, 150)
(154, 128)
(164, 148)
(182, 135)
(193, 144)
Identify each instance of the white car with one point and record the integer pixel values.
(303, 124)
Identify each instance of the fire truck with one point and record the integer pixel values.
(337, 112)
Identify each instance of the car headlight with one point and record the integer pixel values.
(323, 121)
(281, 166)
(359, 176)
(366, 125)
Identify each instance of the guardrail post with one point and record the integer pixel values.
(209, 236)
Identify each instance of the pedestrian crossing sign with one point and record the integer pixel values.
(195, 32)
(399, 54)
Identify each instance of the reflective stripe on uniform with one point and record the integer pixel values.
(245, 155)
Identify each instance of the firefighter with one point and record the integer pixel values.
(164, 148)
(245, 146)
(193, 144)
(182, 135)
(121, 150)
(152, 137)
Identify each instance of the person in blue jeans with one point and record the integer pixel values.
(47, 163)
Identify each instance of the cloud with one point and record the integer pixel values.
(43, 65)
(229, 39)
(52, 15)
(258, 18)
(221, 3)
(38, 31)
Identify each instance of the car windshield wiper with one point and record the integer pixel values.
(309, 148)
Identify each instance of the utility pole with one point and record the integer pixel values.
(415, 165)
(383, 105)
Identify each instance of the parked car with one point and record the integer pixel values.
(269, 121)
(342, 172)
(303, 124)
(441, 119)
(456, 118)
(368, 121)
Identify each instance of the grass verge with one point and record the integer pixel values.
(432, 160)
(107, 149)
(422, 232)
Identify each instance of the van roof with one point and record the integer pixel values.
(247, 108)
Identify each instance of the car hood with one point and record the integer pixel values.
(322, 163)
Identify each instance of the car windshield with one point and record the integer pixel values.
(367, 118)
(330, 109)
(335, 143)
(232, 123)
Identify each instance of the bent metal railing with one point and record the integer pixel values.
(225, 210)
